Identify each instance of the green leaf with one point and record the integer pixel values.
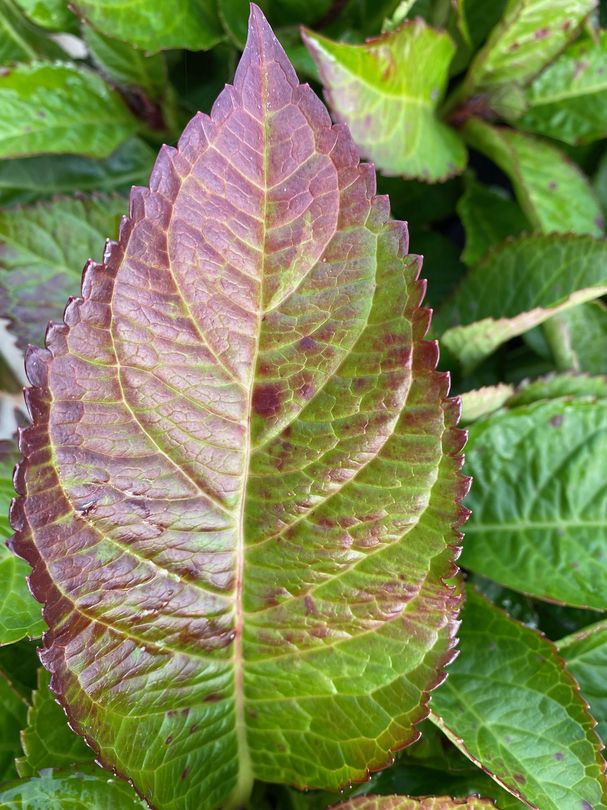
(517, 286)
(479, 17)
(568, 101)
(560, 385)
(420, 203)
(190, 24)
(600, 182)
(20, 614)
(19, 664)
(20, 41)
(241, 519)
(41, 257)
(442, 266)
(52, 14)
(410, 803)
(552, 191)
(489, 215)
(387, 91)
(583, 330)
(55, 790)
(538, 524)
(510, 706)
(47, 109)
(234, 13)
(585, 654)
(35, 178)
(13, 711)
(47, 740)
(483, 401)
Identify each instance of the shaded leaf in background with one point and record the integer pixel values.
(234, 13)
(583, 331)
(539, 523)
(52, 108)
(479, 17)
(483, 401)
(419, 203)
(387, 91)
(35, 178)
(553, 192)
(560, 385)
(262, 449)
(46, 739)
(20, 41)
(52, 14)
(443, 269)
(585, 653)
(19, 665)
(410, 803)
(42, 248)
(57, 790)
(13, 711)
(510, 705)
(190, 24)
(517, 286)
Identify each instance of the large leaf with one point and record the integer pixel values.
(51, 108)
(517, 286)
(539, 523)
(240, 481)
(94, 790)
(13, 710)
(410, 803)
(387, 91)
(583, 331)
(510, 705)
(585, 653)
(20, 41)
(191, 24)
(41, 253)
(553, 192)
(47, 740)
(568, 101)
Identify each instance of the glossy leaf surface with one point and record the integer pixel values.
(410, 803)
(586, 656)
(41, 252)
(387, 91)
(52, 108)
(251, 465)
(510, 705)
(538, 500)
(57, 790)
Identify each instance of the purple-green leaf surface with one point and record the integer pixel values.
(242, 477)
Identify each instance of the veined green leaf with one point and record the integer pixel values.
(510, 705)
(483, 401)
(387, 91)
(517, 286)
(41, 250)
(479, 17)
(51, 108)
(52, 14)
(20, 41)
(13, 711)
(539, 523)
(57, 790)
(560, 385)
(585, 653)
(243, 474)
(583, 330)
(553, 192)
(411, 803)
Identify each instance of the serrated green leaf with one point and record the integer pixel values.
(36, 178)
(583, 331)
(538, 524)
(41, 252)
(56, 790)
(585, 654)
(46, 739)
(410, 803)
(387, 91)
(489, 215)
(568, 100)
(52, 14)
(554, 193)
(483, 401)
(190, 24)
(517, 286)
(52, 108)
(510, 705)
(13, 711)
(20, 41)
(560, 385)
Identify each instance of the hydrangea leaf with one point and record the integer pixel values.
(13, 710)
(19, 665)
(74, 790)
(568, 100)
(510, 705)
(483, 401)
(47, 740)
(233, 14)
(583, 331)
(560, 385)
(538, 499)
(554, 193)
(52, 14)
(20, 41)
(60, 108)
(517, 286)
(41, 252)
(387, 91)
(585, 654)
(411, 803)
(242, 476)
(190, 24)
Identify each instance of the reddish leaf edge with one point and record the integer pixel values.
(99, 278)
(462, 801)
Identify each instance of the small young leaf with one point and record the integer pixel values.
(242, 475)
(554, 193)
(585, 654)
(568, 101)
(41, 250)
(510, 706)
(410, 803)
(52, 14)
(153, 27)
(52, 108)
(20, 41)
(47, 740)
(387, 91)
(13, 711)
(538, 524)
(92, 790)
(483, 401)
(517, 286)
